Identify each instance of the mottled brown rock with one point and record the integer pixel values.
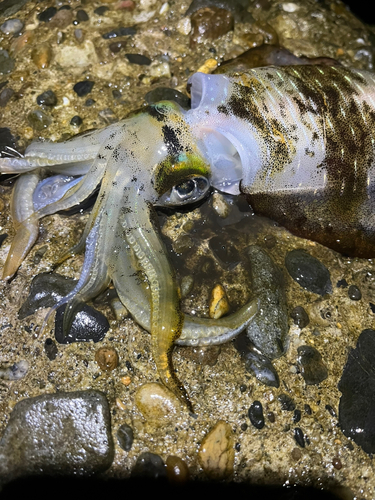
(157, 403)
(216, 453)
(219, 304)
(177, 470)
(107, 358)
(210, 23)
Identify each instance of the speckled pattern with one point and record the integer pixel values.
(55, 56)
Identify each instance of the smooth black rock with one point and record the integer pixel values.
(46, 290)
(47, 98)
(256, 362)
(47, 14)
(297, 416)
(5, 96)
(311, 365)
(138, 59)
(298, 436)
(2, 238)
(88, 324)
(6, 139)
(300, 317)
(76, 121)
(342, 284)
(354, 293)
(83, 88)
(149, 466)
(129, 31)
(167, 94)
(308, 272)
(50, 348)
(82, 16)
(256, 415)
(125, 437)
(286, 402)
(357, 384)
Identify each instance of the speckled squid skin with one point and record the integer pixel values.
(297, 141)
(311, 166)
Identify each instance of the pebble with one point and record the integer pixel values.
(6, 139)
(47, 14)
(129, 31)
(290, 6)
(271, 417)
(88, 324)
(342, 283)
(311, 365)
(5, 95)
(125, 437)
(6, 63)
(219, 305)
(226, 253)
(107, 358)
(76, 121)
(354, 293)
(2, 238)
(50, 348)
(286, 402)
(149, 466)
(42, 55)
(82, 16)
(11, 26)
(357, 384)
(83, 88)
(298, 436)
(202, 355)
(297, 416)
(177, 470)
(184, 26)
(107, 116)
(307, 409)
(138, 59)
(19, 43)
(15, 372)
(38, 119)
(269, 328)
(157, 403)
(216, 452)
(256, 415)
(76, 57)
(62, 19)
(89, 102)
(210, 23)
(337, 464)
(300, 317)
(47, 98)
(67, 433)
(296, 454)
(308, 272)
(256, 362)
(100, 11)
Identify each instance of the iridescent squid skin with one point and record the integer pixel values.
(298, 141)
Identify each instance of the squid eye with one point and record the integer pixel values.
(189, 191)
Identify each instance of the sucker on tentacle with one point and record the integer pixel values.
(298, 141)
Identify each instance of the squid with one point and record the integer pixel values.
(297, 141)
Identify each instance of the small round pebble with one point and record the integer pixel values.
(83, 88)
(82, 16)
(256, 415)
(216, 452)
(107, 358)
(5, 96)
(354, 293)
(100, 11)
(50, 348)
(138, 59)
(271, 417)
(47, 98)
(286, 402)
(298, 436)
(11, 26)
(296, 416)
(337, 464)
(125, 437)
(149, 465)
(296, 454)
(177, 470)
(300, 317)
(157, 403)
(307, 409)
(331, 411)
(76, 121)
(244, 427)
(38, 119)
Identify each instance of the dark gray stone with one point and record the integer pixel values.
(308, 272)
(62, 434)
(149, 465)
(256, 415)
(168, 94)
(125, 437)
(269, 328)
(357, 384)
(311, 365)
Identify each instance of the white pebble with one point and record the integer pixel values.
(290, 6)
(184, 26)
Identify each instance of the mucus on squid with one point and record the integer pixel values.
(297, 141)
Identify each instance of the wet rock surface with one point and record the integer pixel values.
(357, 384)
(311, 365)
(58, 53)
(270, 327)
(308, 272)
(67, 433)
